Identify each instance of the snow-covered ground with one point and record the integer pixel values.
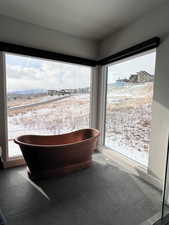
(57, 117)
(128, 132)
(128, 119)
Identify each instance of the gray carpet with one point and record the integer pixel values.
(101, 195)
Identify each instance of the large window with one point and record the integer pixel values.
(45, 97)
(129, 106)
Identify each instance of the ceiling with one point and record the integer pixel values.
(92, 19)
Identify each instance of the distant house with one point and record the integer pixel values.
(52, 92)
(141, 77)
(55, 92)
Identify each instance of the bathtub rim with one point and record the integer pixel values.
(54, 146)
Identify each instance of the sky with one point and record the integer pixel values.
(124, 69)
(24, 73)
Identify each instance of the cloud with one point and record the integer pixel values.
(123, 69)
(47, 75)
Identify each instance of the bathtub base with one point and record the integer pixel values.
(61, 171)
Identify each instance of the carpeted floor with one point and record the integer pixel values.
(101, 195)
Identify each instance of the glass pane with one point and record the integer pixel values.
(45, 97)
(129, 106)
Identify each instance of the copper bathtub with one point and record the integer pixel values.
(58, 155)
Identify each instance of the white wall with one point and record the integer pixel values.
(153, 24)
(160, 122)
(21, 33)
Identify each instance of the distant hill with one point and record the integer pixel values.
(28, 92)
(140, 77)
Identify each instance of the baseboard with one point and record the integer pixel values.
(14, 163)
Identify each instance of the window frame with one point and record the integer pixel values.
(102, 122)
(97, 86)
(19, 160)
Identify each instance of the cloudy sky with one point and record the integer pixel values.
(125, 68)
(24, 73)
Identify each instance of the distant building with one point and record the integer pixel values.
(55, 92)
(52, 92)
(140, 77)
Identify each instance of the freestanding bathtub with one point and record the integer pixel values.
(58, 155)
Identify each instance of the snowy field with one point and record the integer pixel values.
(128, 120)
(57, 117)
